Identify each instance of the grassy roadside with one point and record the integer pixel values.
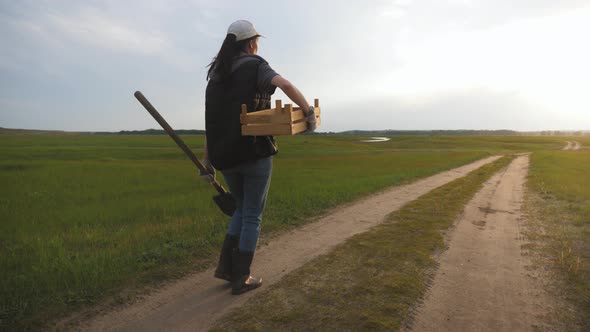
(370, 282)
(85, 218)
(558, 203)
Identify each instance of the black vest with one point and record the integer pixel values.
(223, 106)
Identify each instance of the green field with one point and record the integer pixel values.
(84, 217)
(559, 201)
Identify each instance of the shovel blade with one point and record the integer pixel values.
(226, 203)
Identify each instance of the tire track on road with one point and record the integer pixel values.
(482, 283)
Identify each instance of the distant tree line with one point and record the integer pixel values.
(152, 132)
(563, 133)
(388, 132)
(349, 132)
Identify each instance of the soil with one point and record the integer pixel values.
(195, 302)
(485, 281)
(572, 146)
(577, 146)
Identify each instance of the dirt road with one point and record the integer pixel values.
(194, 303)
(482, 283)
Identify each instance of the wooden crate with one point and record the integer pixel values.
(287, 120)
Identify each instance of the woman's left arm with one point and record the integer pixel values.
(291, 91)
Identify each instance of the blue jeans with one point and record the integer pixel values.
(249, 183)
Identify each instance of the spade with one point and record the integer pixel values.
(224, 199)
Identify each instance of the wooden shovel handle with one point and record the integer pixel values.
(152, 110)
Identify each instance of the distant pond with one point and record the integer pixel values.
(376, 139)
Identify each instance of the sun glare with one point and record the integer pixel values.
(543, 59)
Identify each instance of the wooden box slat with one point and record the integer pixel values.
(263, 130)
(287, 120)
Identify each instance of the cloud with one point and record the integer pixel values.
(92, 27)
(542, 57)
(401, 63)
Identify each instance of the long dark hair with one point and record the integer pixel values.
(230, 49)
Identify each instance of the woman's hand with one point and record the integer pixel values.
(292, 92)
(209, 176)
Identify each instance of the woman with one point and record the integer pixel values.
(238, 76)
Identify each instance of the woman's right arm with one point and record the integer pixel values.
(291, 91)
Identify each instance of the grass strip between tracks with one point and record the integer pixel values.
(373, 280)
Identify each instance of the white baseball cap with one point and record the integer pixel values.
(242, 29)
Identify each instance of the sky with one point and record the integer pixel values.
(398, 64)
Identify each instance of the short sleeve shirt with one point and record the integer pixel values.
(265, 73)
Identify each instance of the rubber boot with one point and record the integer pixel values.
(224, 267)
(242, 281)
